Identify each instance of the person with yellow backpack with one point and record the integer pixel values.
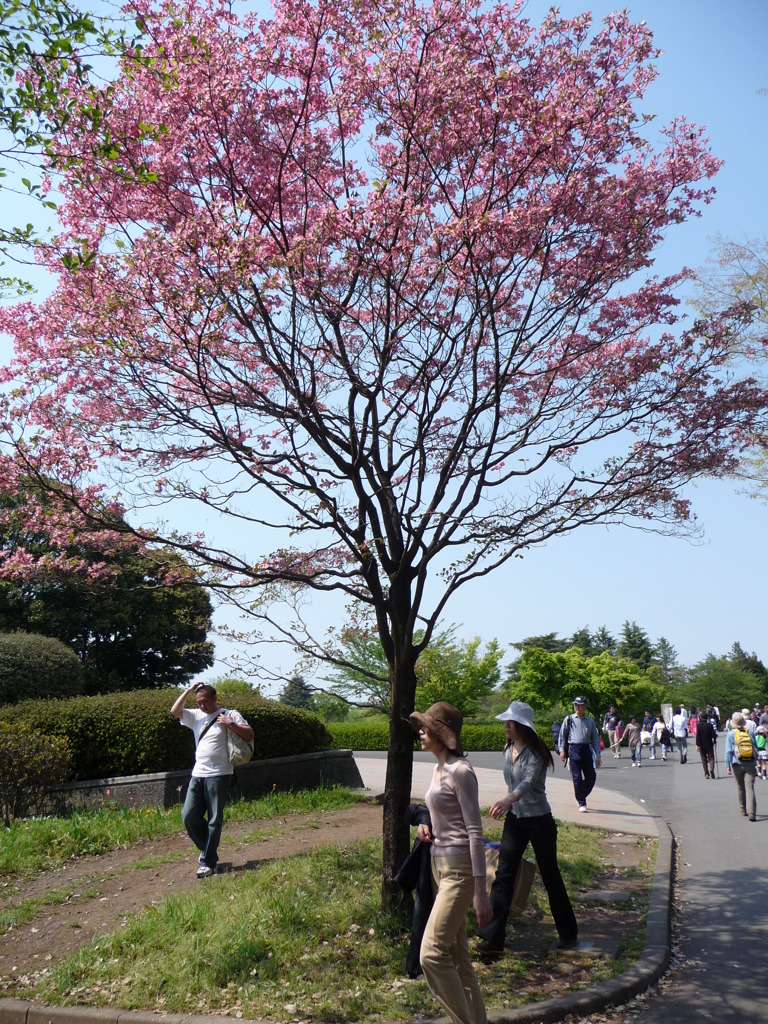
(741, 762)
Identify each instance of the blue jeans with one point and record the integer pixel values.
(541, 832)
(582, 770)
(206, 796)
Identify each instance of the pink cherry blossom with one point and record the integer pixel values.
(376, 277)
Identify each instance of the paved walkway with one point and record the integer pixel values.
(607, 808)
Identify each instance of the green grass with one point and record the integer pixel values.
(39, 844)
(302, 937)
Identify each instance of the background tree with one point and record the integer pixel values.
(131, 627)
(448, 669)
(748, 663)
(136, 616)
(549, 682)
(603, 641)
(372, 277)
(665, 656)
(738, 272)
(457, 672)
(296, 693)
(635, 645)
(719, 681)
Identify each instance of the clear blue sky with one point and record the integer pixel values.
(702, 597)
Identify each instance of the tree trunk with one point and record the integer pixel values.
(397, 788)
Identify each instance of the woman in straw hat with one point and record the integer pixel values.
(458, 866)
(528, 819)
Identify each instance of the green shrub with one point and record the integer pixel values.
(30, 763)
(134, 733)
(375, 736)
(37, 666)
(359, 735)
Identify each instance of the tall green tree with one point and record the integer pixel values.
(448, 669)
(131, 629)
(748, 663)
(719, 681)
(296, 693)
(550, 680)
(458, 672)
(635, 645)
(135, 615)
(665, 656)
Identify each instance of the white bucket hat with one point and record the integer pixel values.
(518, 712)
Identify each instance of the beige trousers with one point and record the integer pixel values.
(445, 957)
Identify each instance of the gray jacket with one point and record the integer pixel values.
(527, 779)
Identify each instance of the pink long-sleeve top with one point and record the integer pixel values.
(454, 806)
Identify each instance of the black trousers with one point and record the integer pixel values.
(541, 833)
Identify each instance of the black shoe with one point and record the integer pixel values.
(568, 944)
(489, 950)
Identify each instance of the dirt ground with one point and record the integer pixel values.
(94, 895)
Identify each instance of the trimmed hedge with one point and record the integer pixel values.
(359, 736)
(134, 733)
(33, 666)
(30, 764)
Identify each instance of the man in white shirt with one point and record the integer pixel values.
(212, 774)
(680, 732)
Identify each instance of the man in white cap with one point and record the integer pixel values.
(580, 746)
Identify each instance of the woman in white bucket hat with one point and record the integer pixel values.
(528, 819)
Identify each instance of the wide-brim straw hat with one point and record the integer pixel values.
(444, 721)
(518, 712)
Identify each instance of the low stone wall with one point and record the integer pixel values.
(164, 789)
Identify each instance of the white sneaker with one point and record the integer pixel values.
(204, 871)
(652, 757)
(583, 808)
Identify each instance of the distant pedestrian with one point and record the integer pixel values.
(527, 819)
(660, 737)
(749, 724)
(635, 741)
(611, 722)
(555, 735)
(680, 732)
(741, 761)
(705, 744)
(761, 743)
(580, 746)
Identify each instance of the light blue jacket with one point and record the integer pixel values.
(582, 730)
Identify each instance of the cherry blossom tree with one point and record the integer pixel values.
(375, 277)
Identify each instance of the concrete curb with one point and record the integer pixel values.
(641, 975)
